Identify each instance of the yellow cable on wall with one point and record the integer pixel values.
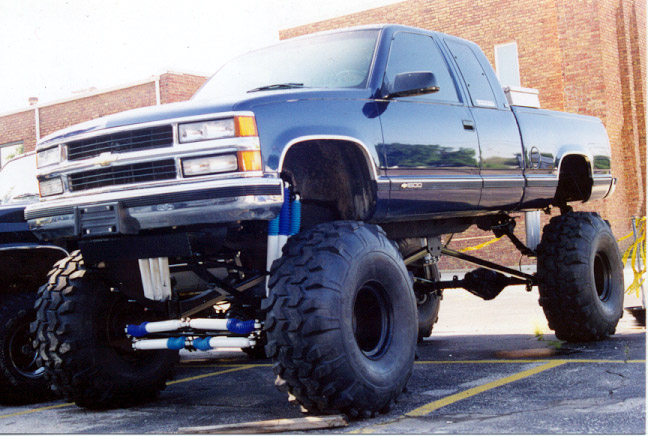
(637, 248)
(480, 246)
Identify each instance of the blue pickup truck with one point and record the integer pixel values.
(24, 264)
(297, 206)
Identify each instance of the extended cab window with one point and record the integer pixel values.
(410, 52)
(479, 87)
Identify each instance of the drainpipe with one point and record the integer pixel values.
(37, 121)
(157, 90)
(33, 101)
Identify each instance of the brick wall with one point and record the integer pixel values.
(21, 126)
(178, 87)
(59, 116)
(585, 56)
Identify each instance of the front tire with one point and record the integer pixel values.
(82, 344)
(22, 380)
(342, 320)
(580, 277)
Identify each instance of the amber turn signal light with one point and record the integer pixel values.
(249, 160)
(245, 126)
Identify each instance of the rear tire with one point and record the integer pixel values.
(82, 344)
(580, 277)
(342, 317)
(22, 380)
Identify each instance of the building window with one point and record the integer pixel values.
(10, 150)
(506, 64)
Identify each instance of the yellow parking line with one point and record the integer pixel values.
(441, 362)
(604, 361)
(448, 362)
(198, 377)
(183, 380)
(424, 410)
(226, 365)
(25, 412)
(430, 407)
(445, 362)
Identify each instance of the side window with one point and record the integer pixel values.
(479, 87)
(410, 52)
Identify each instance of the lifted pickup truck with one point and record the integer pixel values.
(24, 264)
(299, 201)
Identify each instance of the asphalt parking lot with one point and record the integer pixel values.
(489, 367)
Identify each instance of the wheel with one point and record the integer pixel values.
(82, 344)
(21, 379)
(580, 277)
(341, 320)
(428, 303)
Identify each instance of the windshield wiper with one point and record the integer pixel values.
(289, 85)
(21, 196)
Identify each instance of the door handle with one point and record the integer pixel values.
(469, 124)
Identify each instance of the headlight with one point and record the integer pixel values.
(204, 130)
(48, 157)
(50, 187)
(217, 129)
(209, 165)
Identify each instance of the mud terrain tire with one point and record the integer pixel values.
(82, 345)
(580, 277)
(21, 379)
(342, 320)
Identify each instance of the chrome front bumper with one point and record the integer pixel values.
(130, 211)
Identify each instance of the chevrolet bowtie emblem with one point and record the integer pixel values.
(105, 159)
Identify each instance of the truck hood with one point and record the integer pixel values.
(12, 213)
(197, 107)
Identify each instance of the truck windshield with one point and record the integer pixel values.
(336, 60)
(18, 181)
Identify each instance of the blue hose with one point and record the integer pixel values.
(240, 327)
(137, 331)
(202, 344)
(176, 343)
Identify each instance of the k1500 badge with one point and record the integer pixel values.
(411, 185)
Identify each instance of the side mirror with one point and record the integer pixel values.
(414, 83)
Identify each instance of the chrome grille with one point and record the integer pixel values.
(123, 175)
(121, 142)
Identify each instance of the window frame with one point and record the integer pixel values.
(451, 73)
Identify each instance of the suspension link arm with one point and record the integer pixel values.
(490, 265)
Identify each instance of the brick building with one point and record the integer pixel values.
(584, 56)
(22, 128)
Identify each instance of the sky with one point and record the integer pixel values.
(56, 49)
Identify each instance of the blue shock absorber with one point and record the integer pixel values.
(137, 330)
(284, 215)
(295, 216)
(176, 343)
(273, 226)
(202, 344)
(240, 327)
